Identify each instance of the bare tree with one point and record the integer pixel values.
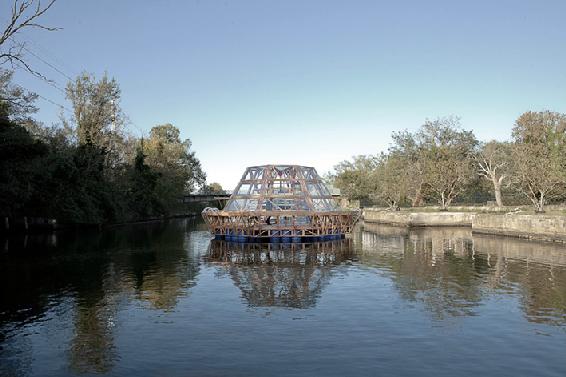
(25, 15)
(494, 162)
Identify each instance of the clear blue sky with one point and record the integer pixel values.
(308, 82)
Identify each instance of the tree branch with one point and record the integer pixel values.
(18, 21)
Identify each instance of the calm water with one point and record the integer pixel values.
(163, 300)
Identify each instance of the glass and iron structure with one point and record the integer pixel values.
(280, 203)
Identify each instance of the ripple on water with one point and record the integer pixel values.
(164, 300)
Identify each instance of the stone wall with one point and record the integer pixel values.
(418, 218)
(543, 227)
(538, 227)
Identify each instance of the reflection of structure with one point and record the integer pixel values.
(280, 203)
(289, 275)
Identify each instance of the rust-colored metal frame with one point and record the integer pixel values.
(280, 202)
(280, 224)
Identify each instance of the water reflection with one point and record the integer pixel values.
(95, 302)
(452, 271)
(93, 273)
(286, 275)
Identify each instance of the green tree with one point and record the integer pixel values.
(446, 152)
(20, 162)
(409, 162)
(143, 197)
(356, 178)
(213, 188)
(179, 168)
(391, 179)
(97, 115)
(539, 155)
(16, 104)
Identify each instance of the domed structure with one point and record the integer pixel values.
(280, 203)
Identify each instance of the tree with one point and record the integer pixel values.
(356, 178)
(391, 180)
(16, 104)
(20, 160)
(179, 168)
(494, 163)
(539, 155)
(446, 152)
(97, 115)
(213, 188)
(408, 155)
(144, 200)
(25, 14)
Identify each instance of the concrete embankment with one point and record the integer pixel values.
(537, 227)
(418, 218)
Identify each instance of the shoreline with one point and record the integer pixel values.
(41, 225)
(546, 228)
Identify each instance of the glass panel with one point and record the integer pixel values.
(244, 189)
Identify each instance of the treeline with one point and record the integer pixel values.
(441, 163)
(89, 168)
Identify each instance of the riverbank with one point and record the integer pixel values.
(540, 227)
(42, 225)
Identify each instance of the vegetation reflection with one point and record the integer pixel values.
(452, 271)
(95, 274)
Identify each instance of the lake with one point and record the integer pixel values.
(162, 299)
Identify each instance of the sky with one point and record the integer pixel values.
(311, 82)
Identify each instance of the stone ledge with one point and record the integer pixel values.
(532, 227)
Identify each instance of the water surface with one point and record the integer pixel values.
(162, 299)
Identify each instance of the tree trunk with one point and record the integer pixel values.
(541, 203)
(538, 202)
(443, 203)
(497, 190)
(392, 205)
(418, 199)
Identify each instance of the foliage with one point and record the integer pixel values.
(410, 164)
(434, 163)
(172, 159)
(144, 200)
(97, 115)
(16, 104)
(213, 188)
(85, 170)
(356, 179)
(446, 152)
(391, 180)
(539, 156)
